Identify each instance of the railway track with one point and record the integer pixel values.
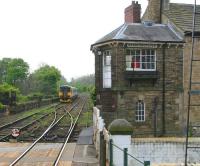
(73, 121)
(70, 131)
(21, 124)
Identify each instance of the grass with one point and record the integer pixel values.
(13, 117)
(86, 116)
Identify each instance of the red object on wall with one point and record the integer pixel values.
(135, 64)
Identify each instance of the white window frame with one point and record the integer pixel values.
(138, 54)
(107, 74)
(140, 111)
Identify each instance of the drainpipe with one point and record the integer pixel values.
(161, 8)
(163, 90)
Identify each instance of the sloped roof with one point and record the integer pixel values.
(182, 16)
(141, 32)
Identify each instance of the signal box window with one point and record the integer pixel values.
(141, 60)
(140, 111)
(107, 79)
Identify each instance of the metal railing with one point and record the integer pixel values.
(125, 154)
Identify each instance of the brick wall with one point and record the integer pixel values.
(132, 13)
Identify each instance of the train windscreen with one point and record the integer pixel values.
(64, 88)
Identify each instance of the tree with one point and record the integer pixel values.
(8, 94)
(17, 70)
(62, 81)
(47, 79)
(4, 69)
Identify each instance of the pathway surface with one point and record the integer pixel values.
(45, 153)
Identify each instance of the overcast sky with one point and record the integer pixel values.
(59, 32)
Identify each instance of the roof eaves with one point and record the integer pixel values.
(130, 41)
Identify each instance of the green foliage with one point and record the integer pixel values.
(8, 93)
(84, 83)
(3, 69)
(4, 88)
(47, 79)
(2, 107)
(35, 96)
(62, 81)
(93, 95)
(30, 97)
(17, 70)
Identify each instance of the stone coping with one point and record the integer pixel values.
(174, 164)
(165, 139)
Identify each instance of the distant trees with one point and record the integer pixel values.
(13, 70)
(43, 82)
(46, 79)
(8, 94)
(84, 83)
(18, 70)
(3, 69)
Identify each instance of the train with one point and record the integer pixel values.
(67, 93)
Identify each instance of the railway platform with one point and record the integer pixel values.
(44, 154)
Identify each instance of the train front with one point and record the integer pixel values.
(65, 94)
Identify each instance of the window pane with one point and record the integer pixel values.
(148, 65)
(127, 52)
(138, 52)
(152, 58)
(128, 64)
(141, 60)
(140, 111)
(148, 58)
(148, 52)
(132, 52)
(152, 52)
(107, 60)
(128, 58)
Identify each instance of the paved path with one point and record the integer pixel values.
(45, 153)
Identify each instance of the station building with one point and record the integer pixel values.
(139, 75)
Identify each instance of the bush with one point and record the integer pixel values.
(22, 98)
(35, 96)
(93, 95)
(8, 94)
(2, 107)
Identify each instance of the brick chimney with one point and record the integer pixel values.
(132, 13)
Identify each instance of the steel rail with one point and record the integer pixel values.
(34, 121)
(21, 119)
(68, 136)
(54, 122)
(25, 126)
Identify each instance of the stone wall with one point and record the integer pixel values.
(152, 12)
(31, 105)
(186, 75)
(123, 97)
(195, 99)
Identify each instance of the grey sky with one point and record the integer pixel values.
(59, 32)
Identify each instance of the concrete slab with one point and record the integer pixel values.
(86, 136)
(44, 154)
(84, 155)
